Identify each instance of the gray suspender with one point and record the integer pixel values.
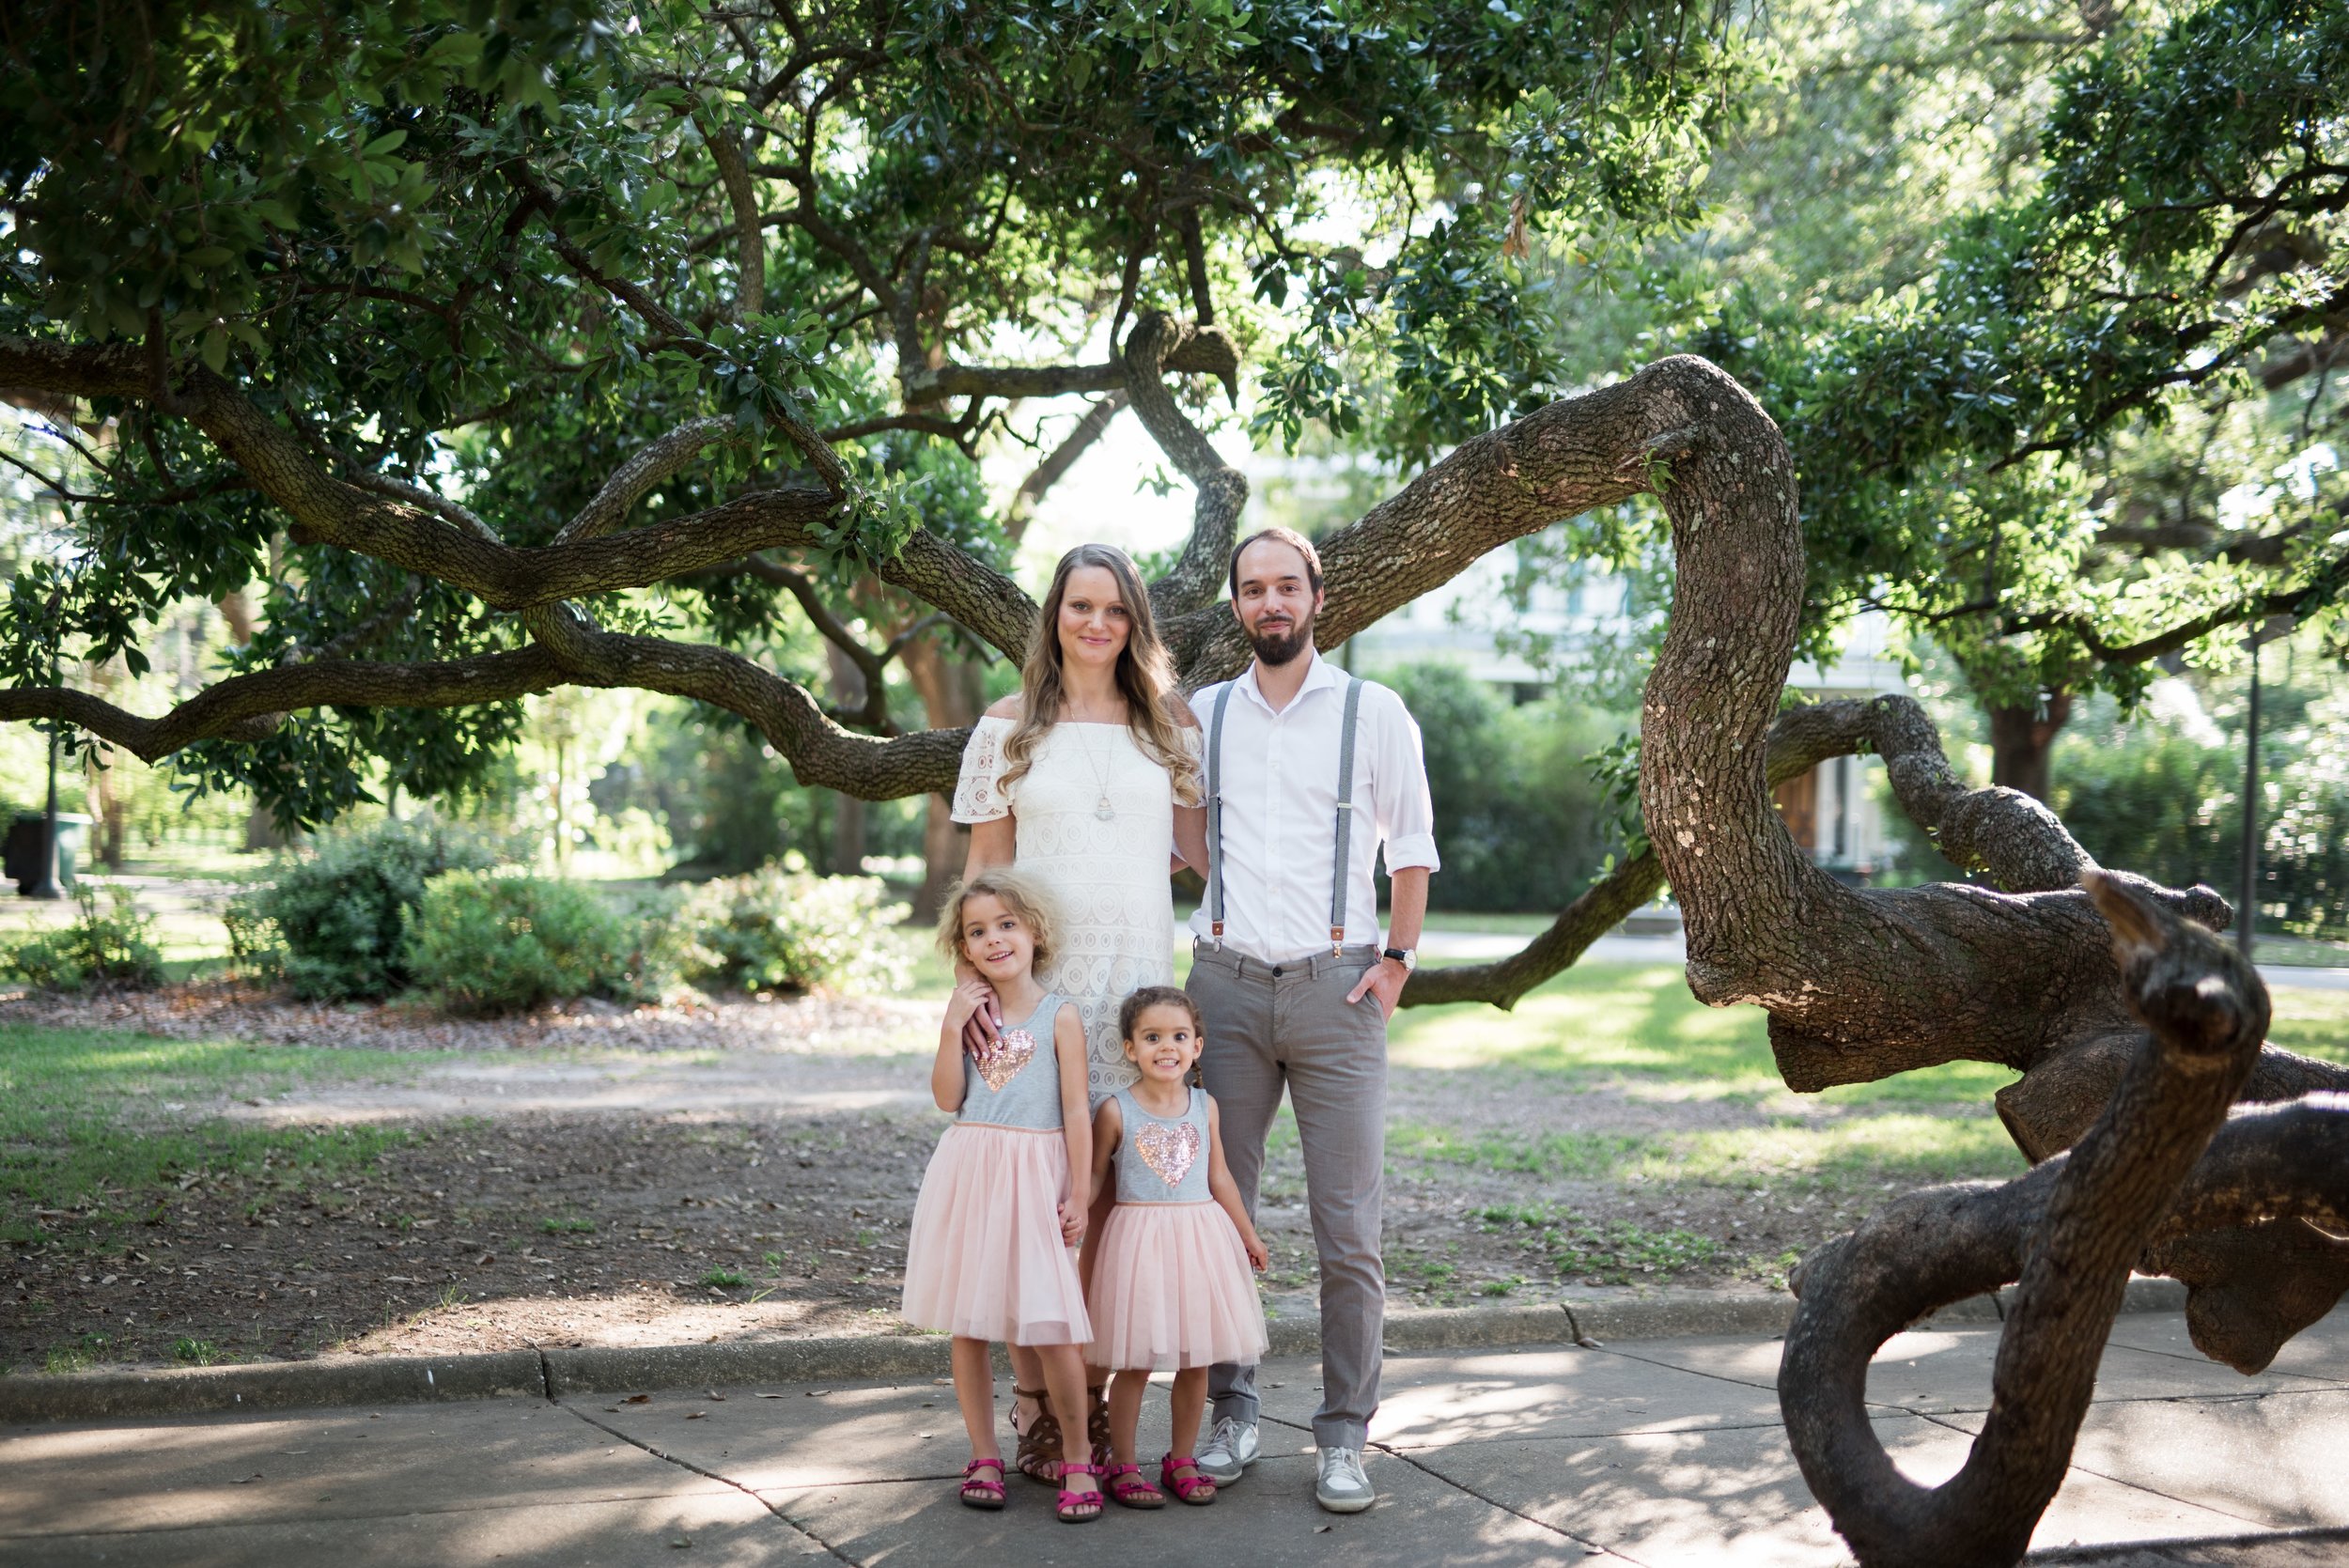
(1215, 814)
(1344, 822)
(1345, 819)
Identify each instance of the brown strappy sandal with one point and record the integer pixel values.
(1097, 1422)
(1038, 1455)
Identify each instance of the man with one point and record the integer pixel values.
(1309, 770)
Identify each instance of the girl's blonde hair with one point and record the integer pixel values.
(1021, 893)
(1145, 677)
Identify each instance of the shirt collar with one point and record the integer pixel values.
(1319, 672)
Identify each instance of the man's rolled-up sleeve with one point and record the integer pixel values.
(1407, 812)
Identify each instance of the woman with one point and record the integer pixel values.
(1088, 780)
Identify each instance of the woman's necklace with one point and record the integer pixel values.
(1102, 808)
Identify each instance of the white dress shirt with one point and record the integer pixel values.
(1279, 780)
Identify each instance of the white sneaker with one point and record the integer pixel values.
(1342, 1487)
(1228, 1451)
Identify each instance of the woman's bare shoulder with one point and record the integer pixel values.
(1004, 707)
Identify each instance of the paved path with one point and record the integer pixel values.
(1658, 1451)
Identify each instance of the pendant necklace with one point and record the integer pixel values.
(1102, 808)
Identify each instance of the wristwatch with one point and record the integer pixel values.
(1403, 956)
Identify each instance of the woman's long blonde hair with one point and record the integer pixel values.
(1145, 677)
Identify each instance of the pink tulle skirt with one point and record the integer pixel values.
(984, 1256)
(1172, 1288)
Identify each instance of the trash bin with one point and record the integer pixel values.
(22, 852)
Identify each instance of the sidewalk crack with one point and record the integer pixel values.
(2074, 1463)
(1591, 1548)
(666, 1457)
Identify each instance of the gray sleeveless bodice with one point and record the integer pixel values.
(1162, 1159)
(1026, 1091)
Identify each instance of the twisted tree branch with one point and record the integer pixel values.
(634, 479)
(1221, 489)
(2069, 1232)
(1208, 353)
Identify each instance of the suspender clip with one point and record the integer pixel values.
(1337, 942)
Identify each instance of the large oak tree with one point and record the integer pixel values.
(516, 347)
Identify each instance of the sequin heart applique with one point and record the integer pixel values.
(1168, 1149)
(1000, 1062)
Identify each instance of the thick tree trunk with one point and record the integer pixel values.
(2022, 741)
(2135, 1058)
(953, 695)
(847, 850)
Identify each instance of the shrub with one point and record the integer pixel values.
(115, 947)
(482, 943)
(338, 915)
(779, 928)
(1521, 821)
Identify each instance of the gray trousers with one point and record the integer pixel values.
(1270, 1026)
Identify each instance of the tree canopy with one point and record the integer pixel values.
(510, 345)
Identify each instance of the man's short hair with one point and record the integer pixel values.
(1290, 537)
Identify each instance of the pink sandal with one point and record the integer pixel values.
(978, 1493)
(1194, 1488)
(1072, 1503)
(1136, 1493)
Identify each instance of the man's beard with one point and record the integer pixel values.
(1278, 647)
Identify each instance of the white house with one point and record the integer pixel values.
(1833, 811)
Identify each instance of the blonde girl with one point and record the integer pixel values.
(990, 1257)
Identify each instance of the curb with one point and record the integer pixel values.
(612, 1369)
(272, 1386)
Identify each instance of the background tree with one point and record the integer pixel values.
(2050, 312)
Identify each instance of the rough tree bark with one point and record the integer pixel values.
(2129, 1063)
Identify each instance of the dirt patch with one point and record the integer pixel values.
(626, 1192)
(217, 1008)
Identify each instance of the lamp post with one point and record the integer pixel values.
(2246, 908)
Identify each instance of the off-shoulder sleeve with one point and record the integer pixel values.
(979, 793)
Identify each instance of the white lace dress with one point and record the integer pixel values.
(1108, 877)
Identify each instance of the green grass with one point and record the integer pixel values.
(1587, 1155)
(1614, 1253)
(552, 1226)
(1637, 1024)
(89, 1132)
(1901, 1146)
(724, 1279)
(80, 1356)
(194, 1353)
(1895, 1146)
(2314, 1023)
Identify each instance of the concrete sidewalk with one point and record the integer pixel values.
(1654, 1451)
